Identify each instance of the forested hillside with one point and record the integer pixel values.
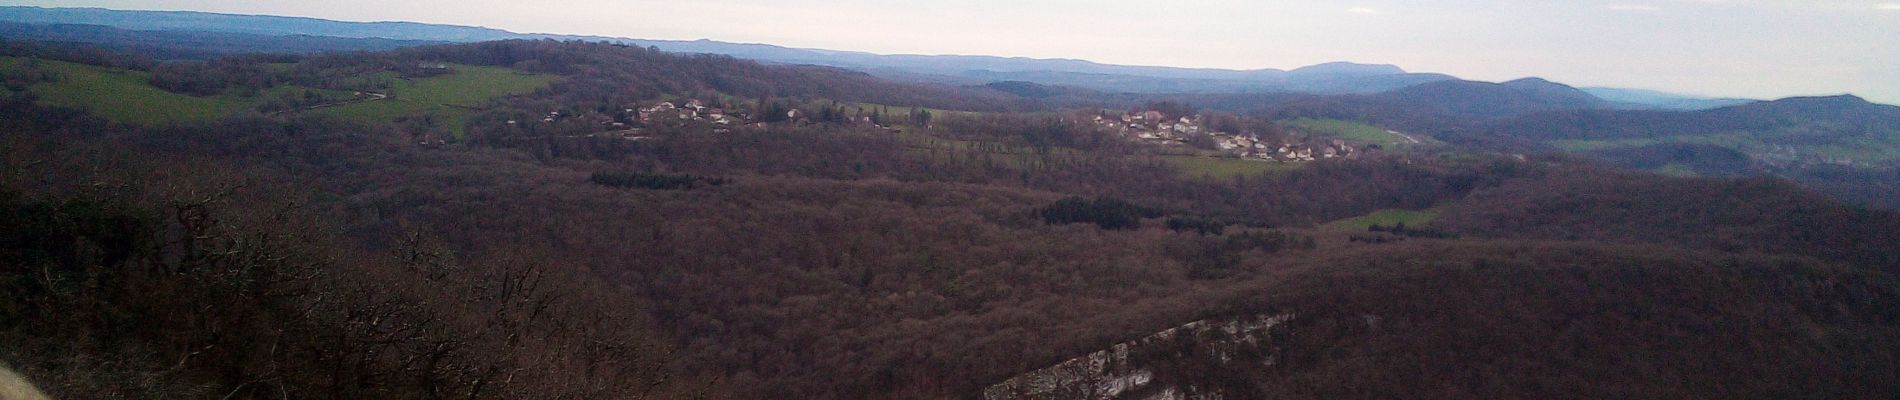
(641, 224)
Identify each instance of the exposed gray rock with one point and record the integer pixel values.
(1112, 374)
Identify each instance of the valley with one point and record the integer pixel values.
(405, 210)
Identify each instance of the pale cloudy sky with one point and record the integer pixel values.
(1744, 48)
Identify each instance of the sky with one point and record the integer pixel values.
(1723, 48)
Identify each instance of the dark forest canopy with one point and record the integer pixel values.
(908, 258)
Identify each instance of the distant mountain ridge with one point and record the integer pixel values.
(1793, 134)
(250, 24)
(1556, 94)
(1842, 116)
(1651, 99)
(196, 44)
(1328, 79)
(1494, 100)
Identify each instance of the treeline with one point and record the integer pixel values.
(1204, 226)
(74, 53)
(243, 75)
(16, 78)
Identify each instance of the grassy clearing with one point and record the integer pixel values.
(1588, 145)
(124, 95)
(1388, 217)
(1352, 131)
(127, 96)
(448, 97)
(897, 114)
(1676, 170)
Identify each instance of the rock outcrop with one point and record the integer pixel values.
(15, 387)
(1126, 370)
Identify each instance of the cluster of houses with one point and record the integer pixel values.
(631, 123)
(1153, 127)
(691, 110)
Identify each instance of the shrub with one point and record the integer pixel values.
(1202, 226)
(1107, 213)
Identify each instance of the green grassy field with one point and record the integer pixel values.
(1352, 131)
(1388, 217)
(127, 96)
(449, 97)
(1586, 145)
(124, 95)
(897, 114)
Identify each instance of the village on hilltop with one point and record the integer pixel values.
(1150, 127)
(1154, 127)
(634, 121)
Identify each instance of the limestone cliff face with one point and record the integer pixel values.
(15, 387)
(1127, 371)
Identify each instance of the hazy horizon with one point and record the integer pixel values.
(1713, 48)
